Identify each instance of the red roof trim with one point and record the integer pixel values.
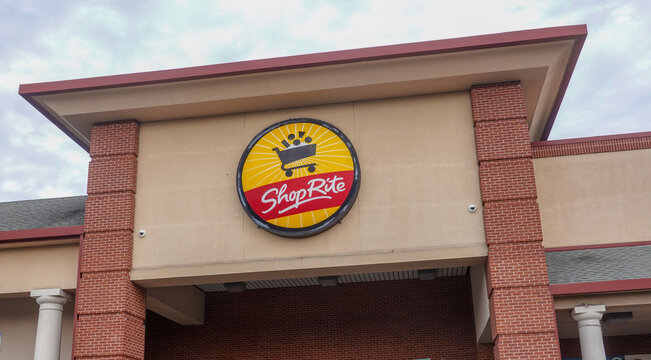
(569, 69)
(40, 234)
(576, 32)
(600, 286)
(597, 246)
(592, 139)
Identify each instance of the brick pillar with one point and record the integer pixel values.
(485, 352)
(523, 321)
(110, 309)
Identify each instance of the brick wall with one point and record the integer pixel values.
(408, 319)
(614, 345)
(110, 309)
(523, 322)
(485, 352)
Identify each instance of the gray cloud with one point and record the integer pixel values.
(608, 93)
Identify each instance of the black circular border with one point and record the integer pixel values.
(318, 227)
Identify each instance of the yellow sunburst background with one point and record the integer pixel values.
(262, 166)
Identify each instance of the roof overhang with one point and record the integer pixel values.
(542, 59)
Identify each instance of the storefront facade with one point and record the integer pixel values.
(460, 233)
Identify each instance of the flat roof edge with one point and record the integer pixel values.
(569, 69)
(523, 37)
(586, 139)
(40, 234)
(593, 287)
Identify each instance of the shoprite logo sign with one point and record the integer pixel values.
(298, 177)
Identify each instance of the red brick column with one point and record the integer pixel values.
(485, 352)
(523, 321)
(110, 308)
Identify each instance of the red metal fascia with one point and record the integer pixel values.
(600, 287)
(40, 234)
(569, 69)
(524, 37)
(575, 32)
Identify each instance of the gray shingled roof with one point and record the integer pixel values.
(42, 213)
(620, 263)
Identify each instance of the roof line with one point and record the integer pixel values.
(14, 236)
(577, 33)
(600, 286)
(597, 246)
(43, 199)
(569, 69)
(533, 36)
(592, 138)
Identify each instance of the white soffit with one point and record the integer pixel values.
(341, 279)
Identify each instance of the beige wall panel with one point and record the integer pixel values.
(185, 198)
(39, 267)
(18, 320)
(419, 171)
(594, 198)
(419, 174)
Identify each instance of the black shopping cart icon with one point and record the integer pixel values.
(294, 152)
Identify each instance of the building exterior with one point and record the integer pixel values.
(462, 233)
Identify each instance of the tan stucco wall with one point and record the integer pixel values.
(419, 174)
(18, 320)
(594, 198)
(39, 267)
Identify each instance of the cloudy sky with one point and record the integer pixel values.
(610, 91)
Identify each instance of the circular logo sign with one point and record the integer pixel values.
(298, 177)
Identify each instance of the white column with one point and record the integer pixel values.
(589, 319)
(48, 331)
